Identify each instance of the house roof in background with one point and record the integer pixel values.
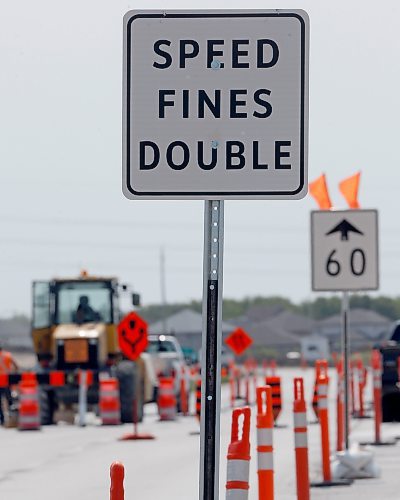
(292, 322)
(265, 334)
(357, 316)
(184, 321)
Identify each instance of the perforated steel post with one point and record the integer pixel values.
(211, 349)
(346, 365)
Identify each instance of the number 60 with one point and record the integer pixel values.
(357, 263)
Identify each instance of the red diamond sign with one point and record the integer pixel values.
(239, 341)
(132, 336)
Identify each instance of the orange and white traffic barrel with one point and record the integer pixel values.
(29, 408)
(300, 441)
(109, 402)
(265, 450)
(117, 474)
(238, 468)
(166, 399)
(275, 384)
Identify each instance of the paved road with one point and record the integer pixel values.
(66, 462)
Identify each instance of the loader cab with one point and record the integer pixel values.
(74, 321)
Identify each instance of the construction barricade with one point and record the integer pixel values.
(29, 407)
(238, 468)
(166, 400)
(109, 402)
(275, 384)
(117, 474)
(265, 450)
(300, 441)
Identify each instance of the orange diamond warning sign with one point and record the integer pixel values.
(239, 341)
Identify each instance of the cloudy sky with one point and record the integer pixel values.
(60, 155)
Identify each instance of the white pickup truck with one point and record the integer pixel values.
(168, 360)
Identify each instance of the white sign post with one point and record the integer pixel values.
(344, 257)
(215, 108)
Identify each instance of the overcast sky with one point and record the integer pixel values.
(60, 155)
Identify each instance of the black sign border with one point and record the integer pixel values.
(214, 194)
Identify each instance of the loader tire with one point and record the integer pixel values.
(126, 373)
(46, 407)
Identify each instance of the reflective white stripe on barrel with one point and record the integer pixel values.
(322, 404)
(166, 392)
(238, 470)
(109, 414)
(322, 390)
(265, 460)
(29, 397)
(237, 494)
(300, 419)
(300, 439)
(109, 394)
(29, 420)
(264, 437)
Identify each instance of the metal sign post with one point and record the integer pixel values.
(211, 351)
(346, 365)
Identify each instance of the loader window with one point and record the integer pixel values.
(84, 302)
(41, 304)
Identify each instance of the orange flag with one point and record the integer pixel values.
(349, 189)
(319, 190)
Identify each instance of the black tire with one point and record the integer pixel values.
(46, 407)
(126, 372)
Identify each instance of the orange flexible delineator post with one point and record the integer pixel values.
(300, 441)
(247, 387)
(376, 365)
(265, 457)
(323, 413)
(275, 384)
(324, 423)
(352, 389)
(117, 474)
(184, 393)
(238, 468)
(361, 383)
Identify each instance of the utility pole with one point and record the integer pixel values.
(163, 289)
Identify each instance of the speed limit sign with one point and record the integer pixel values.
(344, 250)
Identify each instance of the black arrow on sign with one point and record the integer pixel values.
(344, 228)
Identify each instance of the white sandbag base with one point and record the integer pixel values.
(356, 463)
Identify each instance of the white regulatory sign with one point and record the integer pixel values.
(215, 104)
(344, 250)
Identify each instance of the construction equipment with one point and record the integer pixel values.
(74, 327)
